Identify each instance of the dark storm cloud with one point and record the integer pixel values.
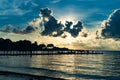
(27, 30)
(112, 26)
(45, 12)
(52, 25)
(68, 25)
(74, 31)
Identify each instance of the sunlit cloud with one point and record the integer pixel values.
(110, 27)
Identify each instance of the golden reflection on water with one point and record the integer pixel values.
(72, 64)
(64, 63)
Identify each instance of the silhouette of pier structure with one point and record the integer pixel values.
(25, 47)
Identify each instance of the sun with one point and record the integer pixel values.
(65, 18)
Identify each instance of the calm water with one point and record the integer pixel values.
(74, 67)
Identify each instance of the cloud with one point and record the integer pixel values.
(96, 44)
(55, 1)
(111, 27)
(75, 29)
(12, 8)
(6, 28)
(48, 25)
(46, 12)
(71, 35)
(53, 27)
(11, 29)
(84, 34)
(86, 0)
(80, 42)
(27, 30)
(14, 12)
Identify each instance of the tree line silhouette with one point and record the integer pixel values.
(25, 45)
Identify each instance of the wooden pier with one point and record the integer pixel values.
(72, 52)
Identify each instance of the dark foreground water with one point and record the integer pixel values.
(74, 67)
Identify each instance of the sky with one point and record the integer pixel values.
(75, 24)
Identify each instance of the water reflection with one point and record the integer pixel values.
(68, 66)
(111, 65)
(15, 61)
(74, 67)
(59, 65)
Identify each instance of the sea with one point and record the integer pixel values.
(64, 67)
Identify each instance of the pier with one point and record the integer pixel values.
(25, 47)
(67, 52)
